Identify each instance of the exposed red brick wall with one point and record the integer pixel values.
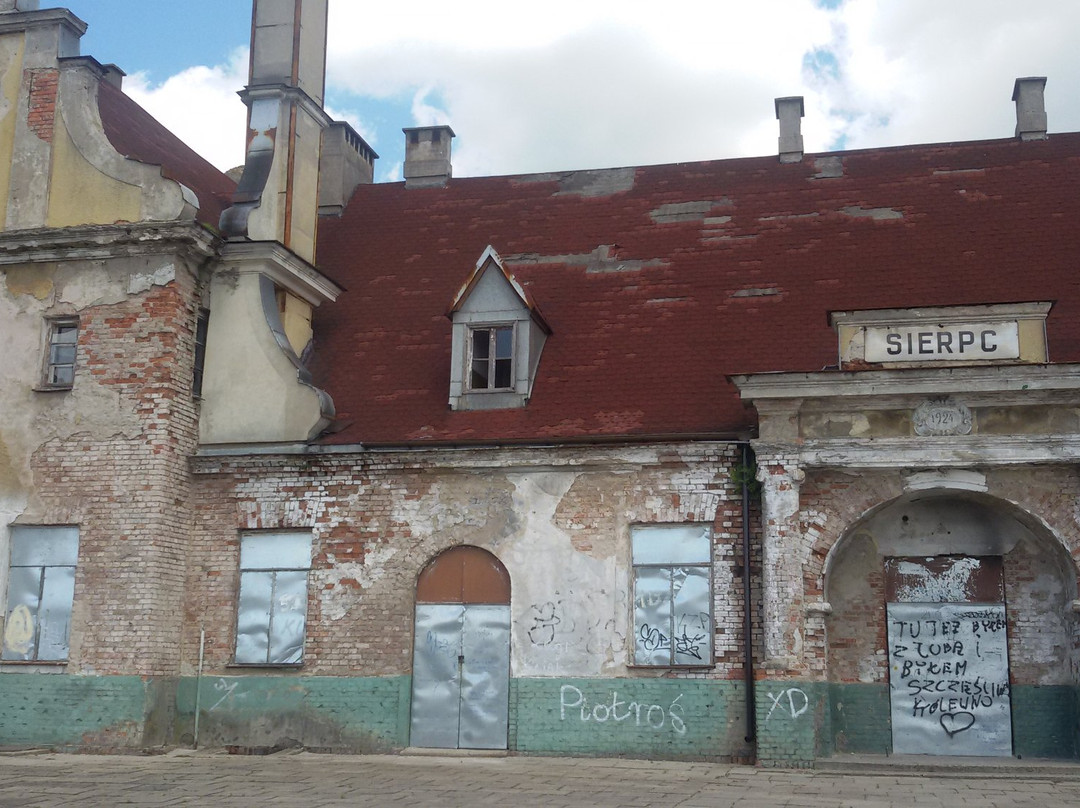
(127, 487)
(1039, 574)
(44, 84)
(378, 518)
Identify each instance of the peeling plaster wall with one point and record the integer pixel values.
(1040, 577)
(110, 454)
(558, 519)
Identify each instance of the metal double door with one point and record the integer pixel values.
(461, 676)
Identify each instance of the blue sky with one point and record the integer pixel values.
(162, 37)
(592, 83)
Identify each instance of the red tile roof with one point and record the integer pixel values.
(659, 282)
(135, 133)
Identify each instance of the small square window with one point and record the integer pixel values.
(41, 589)
(272, 610)
(672, 595)
(63, 339)
(491, 358)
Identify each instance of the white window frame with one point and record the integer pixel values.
(256, 633)
(492, 358)
(50, 367)
(37, 628)
(678, 640)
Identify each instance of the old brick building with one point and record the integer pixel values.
(471, 462)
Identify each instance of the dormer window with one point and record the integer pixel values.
(492, 361)
(497, 339)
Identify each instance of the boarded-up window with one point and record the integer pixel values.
(672, 595)
(41, 588)
(272, 611)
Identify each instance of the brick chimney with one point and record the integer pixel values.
(1030, 108)
(789, 111)
(427, 156)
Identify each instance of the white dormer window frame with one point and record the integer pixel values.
(493, 370)
(485, 372)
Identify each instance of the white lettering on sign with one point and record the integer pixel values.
(937, 343)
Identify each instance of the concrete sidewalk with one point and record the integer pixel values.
(303, 779)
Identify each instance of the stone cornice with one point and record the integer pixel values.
(94, 242)
(17, 21)
(956, 451)
(218, 458)
(283, 267)
(909, 382)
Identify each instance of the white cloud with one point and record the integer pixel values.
(575, 83)
(201, 107)
(571, 84)
(921, 71)
(561, 85)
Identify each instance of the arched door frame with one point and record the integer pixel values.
(461, 652)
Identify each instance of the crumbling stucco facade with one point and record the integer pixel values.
(558, 519)
(303, 460)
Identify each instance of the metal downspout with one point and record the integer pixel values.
(748, 645)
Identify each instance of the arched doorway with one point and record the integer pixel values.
(951, 630)
(461, 652)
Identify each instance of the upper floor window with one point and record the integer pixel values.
(63, 337)
(201, 327)
(41, 589)
(492, 360)
(498, 337)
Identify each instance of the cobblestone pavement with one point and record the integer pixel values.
(304, 779)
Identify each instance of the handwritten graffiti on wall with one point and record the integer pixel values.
(653, 639)
(571, 631)
(949, 680)
(573, 704)
(227, 690)
(793, 702)
(545, 620)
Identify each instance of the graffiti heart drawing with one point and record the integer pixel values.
(953, 723)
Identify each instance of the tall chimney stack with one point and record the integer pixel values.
(789, 111)
(277, 197)
(1030, 108)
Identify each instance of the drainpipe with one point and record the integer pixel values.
(748, 646)
(198, 687)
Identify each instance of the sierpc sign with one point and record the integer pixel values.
(942, 343)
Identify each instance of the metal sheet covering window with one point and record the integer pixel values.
(41, 588)
(672, 595)
(272, 610)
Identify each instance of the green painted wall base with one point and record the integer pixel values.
(658, 718)
(861, 721)
(797, 722)
(1044, 721)
(356, 713)
(793, 722)
(104, 712)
